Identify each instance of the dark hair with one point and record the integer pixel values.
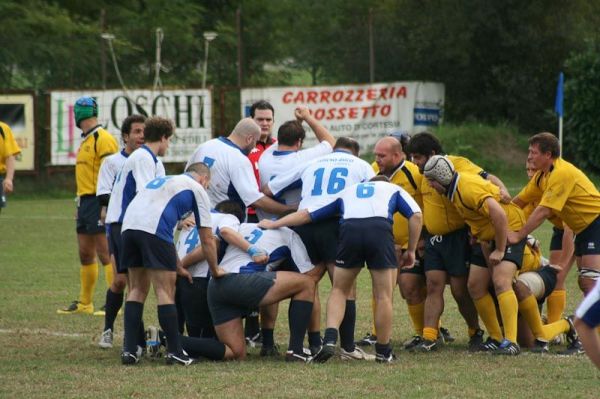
(290, 132)
(547, 142)
(347, 143)
(155, 128)
(130, 120)
(261, 104)
(424, 143)
(232, 207)
(380, 178)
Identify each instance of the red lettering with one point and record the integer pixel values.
(325, 96)
(349, 94)
(341, 113)
(299, 98)
(338, 96)
(331, 113)
(383, 93)
(353, 113)
(371, 94)
(359, 97)
(392, 91)
(287, 97)
(319, 114)
(386, 109)
(312, 97)
(402, 92)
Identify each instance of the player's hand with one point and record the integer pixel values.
(258, 254)
(421, 247)
(301, 113)
(496, 257)
(7, 185)
(260, 259)
(103, 215)
(218, 272)
(267, 224)
(505, 197)
(186, 223)
(408, 259)
(181, 271)
(513, 237)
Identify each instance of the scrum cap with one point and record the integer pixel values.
(440, 169)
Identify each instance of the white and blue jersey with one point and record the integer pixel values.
(273, 163)
(231, 173)
(138, 170)
(281, 244)
(108, 172)
(589, 309)
(369, 200)
(323, 179)
(190, 239)
(158, 207)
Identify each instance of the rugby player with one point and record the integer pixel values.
(587, 323)
(9, 149)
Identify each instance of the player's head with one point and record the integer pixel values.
(264, 115)
(348, 144)
(440, 172)
(530, 169)
(543, 150)
(422, 146)
(159, 130)
(232, 207)
(379, 178)
(403, 138)
(291, 133)
(201, 173)
(246, 133)
(388, 154)
(85, 108)
(132, 131)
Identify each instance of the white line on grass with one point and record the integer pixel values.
(40, 331)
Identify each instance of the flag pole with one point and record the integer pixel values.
(558, 108)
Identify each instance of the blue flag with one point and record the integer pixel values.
(558, 105)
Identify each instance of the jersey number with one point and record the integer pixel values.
(208, 161)
(365, 190)
(157, 183)
(192, 240)
(336, 181)
(254, 236)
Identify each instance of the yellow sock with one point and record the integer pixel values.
(417, 315)
(509, 310)
(529, 310)
(555, 305)
(430, 333)
(553, 329)
(487, 312)
(108, 274)
(88, 274)
(373, 308)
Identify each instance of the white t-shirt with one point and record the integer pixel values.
(108, 172)
(281, 244)
(231, 173)
(274, 162)
(158, 207)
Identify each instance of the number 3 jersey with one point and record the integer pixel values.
(323, 178)
(164, 201)
(281, 244)
(189, 239)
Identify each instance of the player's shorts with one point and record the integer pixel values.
(369, 241)
(115, 244)
(237, 295)
(449, 252)
(556, 240)
(2, 196)
(540, 282)
(320, 239)
(88, 216)
(194, 300)
(289, 266)
(589, 309)
(142, 249)
(513, 253)
(587, 242)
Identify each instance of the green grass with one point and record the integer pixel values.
(48, 355)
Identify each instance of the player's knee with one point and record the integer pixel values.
(118, 284)
(435, 286)
(587, 279)
(476, 288)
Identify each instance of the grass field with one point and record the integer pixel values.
(48, 355)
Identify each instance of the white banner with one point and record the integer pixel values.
(190, 110)
(364, 112)
(16, 110)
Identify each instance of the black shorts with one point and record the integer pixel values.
(237, 295)
(587, 242)
(513, 253)
(449, 252)
(369, 241)
(115, 244)
(545, 275)
(556, 240)
(88, 216)
(142, 249)
(320, 239)
(194, 300)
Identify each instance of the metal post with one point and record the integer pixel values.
(208, 37)
(238, 24)
(371, 48)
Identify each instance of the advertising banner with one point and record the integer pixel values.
(16, 110)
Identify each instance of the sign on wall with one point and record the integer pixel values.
(190, 110)
(16, 110)
(364, 112)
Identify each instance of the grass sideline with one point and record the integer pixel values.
(49, 355)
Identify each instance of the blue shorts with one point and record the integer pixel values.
(142, 249)
(320, 239)
(115, 244)
(589, 309)
(88, 216)
(369, 241)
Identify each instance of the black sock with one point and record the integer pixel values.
(114, 302)
(330, 336)
(205, 347)
(347, 326)
(167, 318)
(267, 338)
(251, 328)
(180, 314)
(142, 335)
(133, 319)
(383, 349)
(299, 317)
(314, 338)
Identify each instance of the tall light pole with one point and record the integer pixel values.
(208, 37)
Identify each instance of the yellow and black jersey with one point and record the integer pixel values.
(531, 195)
(469, 193)
(8, 146)
(408, 177)
(96, 145)
(532, 260)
